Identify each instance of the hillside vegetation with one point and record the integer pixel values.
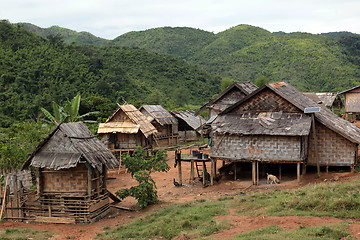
(35, 71)
(245, 53)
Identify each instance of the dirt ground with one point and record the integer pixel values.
(190, 191)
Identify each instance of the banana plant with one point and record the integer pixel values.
(67, 113)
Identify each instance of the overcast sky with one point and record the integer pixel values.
(111, 18)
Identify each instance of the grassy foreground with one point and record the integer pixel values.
(24, 234)
(195, 219)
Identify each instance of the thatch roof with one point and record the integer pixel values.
(67, 145)
(245, 88)
(158, 113)
(131, 122)
(325, 116)
(264, 123)
(195, 122)
(326, 99)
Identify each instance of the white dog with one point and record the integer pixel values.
(272, 179)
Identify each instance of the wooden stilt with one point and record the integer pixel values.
(327, 169)
(257, 173)
(253, 173)
(119, 162)
(204, 173)
(315, 145)
(304, 169)
(192, 171)
(298, 172)
(4, 197)
(280, 171)
(179, 171)
(212, 173)
(235, 171)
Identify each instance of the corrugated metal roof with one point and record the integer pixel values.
(265, 123)
(195, 122)
(158, 113)
(245, 88)
(140, 122)
(66, 145)
(325, 116)
(326, 99)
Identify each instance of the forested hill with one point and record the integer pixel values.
(310, 62)
(35, 71)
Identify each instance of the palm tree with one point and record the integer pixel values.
(67, 113)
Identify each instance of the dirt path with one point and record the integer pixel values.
(169, 194)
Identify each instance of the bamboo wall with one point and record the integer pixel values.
(258, 147)
(333, 149)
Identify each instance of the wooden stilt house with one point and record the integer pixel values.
(352, 103)
(189, 125)
(128, 128)
(270, 126)
(165, 123)
(71, 165)
(231, 95)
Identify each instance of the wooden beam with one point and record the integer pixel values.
(192, 171)
(4, 197)
(315, 144)
(65, 220)
(298, 172)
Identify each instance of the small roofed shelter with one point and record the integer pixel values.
(71, 167)
(352, 103)
(326, 99)
(127, 128)
(165, 123)
(231, 95)
(189, 125)
(270, 126)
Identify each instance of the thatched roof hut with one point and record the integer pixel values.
(165, 123)
(71, 166)
(127, 128)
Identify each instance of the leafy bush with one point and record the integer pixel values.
(140, 167)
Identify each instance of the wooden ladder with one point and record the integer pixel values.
(199, 169)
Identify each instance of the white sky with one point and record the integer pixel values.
(111, 18)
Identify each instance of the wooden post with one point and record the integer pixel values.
(253, 173)
(298, 172)
(179, 171)
(204, 173)
(280, 171)
(89, 178)
(304, 169)
(213, 172)
(192, 171)
(235, 170)
(257, 173)
(4, 197)
(315, 144)
(120, 155)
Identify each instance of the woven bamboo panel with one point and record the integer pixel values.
(333, 149)
(259, 147)
(67, 180)
(267, 101)
(229, 99)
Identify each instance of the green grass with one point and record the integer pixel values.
(24, 234)
(194, 219)
(273, 232)
(340, 200)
